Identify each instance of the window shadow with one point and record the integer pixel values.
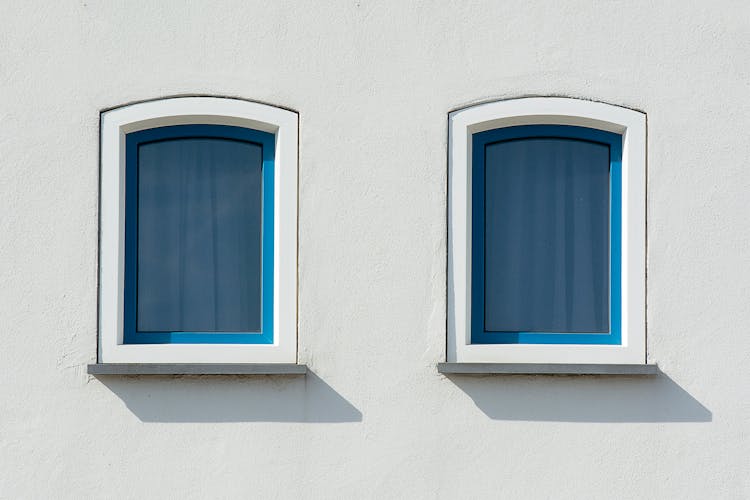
(582, 398)
(207, 398)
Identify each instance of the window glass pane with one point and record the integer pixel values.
(199, 236)
(547, 236)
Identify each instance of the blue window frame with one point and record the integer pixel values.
(199, 235)
(546, 225)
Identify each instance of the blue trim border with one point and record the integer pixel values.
(267, 142)
(479, 142)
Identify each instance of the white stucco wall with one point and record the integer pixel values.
(373, 83)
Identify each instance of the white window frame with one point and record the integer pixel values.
(115, 124)
(547, 111)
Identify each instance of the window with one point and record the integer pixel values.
(198, 233)
(547, 233)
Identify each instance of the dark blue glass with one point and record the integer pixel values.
(199, 235)
(547, 236)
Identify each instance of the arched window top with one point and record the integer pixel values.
(199, 111)
(548, 111)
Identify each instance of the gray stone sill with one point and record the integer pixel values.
(545, 369)
(196, 369)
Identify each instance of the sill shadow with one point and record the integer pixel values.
(221, 398)
(603, 398)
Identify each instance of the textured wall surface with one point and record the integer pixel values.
(373, 83)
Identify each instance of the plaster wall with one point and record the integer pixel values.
(373, 83)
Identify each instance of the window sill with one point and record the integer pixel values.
(196, 369)
(546, 369)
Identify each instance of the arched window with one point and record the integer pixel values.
(198, 232)
(546, 233)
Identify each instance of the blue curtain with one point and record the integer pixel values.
(199, 236)
(547, 236)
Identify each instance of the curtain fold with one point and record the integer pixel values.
(547, 236)
(199, 235)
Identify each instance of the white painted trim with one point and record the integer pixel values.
(197, 110)
(547, 111)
